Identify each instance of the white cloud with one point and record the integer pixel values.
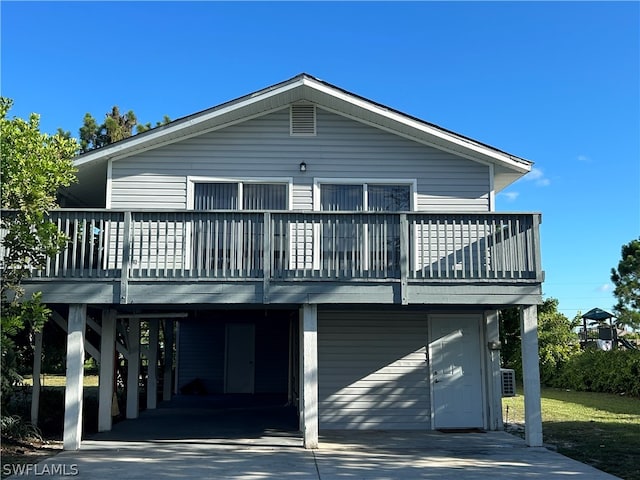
(510, 196)
(537, 175)
(534, 174)
(604, 288)
(543, 182)
(583, 158)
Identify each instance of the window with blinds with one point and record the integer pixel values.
(369, 197)
(269, 196)
(388, 198)
(216, 196)
(227, 244)
(336, 198)
(374, 244)
(230, 196)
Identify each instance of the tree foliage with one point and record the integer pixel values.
(140, 128)
(626, 279)
(33, 167)
(116, 126)
(557, 341)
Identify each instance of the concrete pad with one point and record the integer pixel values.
(178, 443)
(393, 455)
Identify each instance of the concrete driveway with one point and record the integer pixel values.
(255, 443)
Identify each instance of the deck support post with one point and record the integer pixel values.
(75, 375)
(107, 357)
(37, 369)
(494, 381)
(168, 360)
(309, 367)
(133, 368)
(152, 368)
(531, 375)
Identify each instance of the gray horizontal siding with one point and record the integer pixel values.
(302, 197)
(372, 372)
(262, 147)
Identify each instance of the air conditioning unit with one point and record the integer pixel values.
(508, 377)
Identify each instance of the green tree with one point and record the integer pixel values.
(140, 128)
(626, 279)
(33, 167)
(116, 127)
(557, 340)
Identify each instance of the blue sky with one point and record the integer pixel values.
(556, 83)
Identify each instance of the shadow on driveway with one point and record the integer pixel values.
(208, 441)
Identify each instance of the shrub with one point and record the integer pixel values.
(616, 371)
(14, 427)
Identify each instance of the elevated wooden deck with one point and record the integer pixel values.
(231, 257)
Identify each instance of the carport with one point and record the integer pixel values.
(210, 418)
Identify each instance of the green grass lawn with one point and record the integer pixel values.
(599, 429)
(50, 380)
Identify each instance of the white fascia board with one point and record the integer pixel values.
(109, 193)
(467, 145)
(492, 189)
(152, 137)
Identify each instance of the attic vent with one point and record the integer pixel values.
(508, 382)
(303, 119)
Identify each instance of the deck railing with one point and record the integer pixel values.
(344, 246)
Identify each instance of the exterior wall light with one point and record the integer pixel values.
(303, 167)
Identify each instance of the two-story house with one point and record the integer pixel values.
(307, 242)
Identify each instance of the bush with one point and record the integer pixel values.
(616, 371)
(14, 427)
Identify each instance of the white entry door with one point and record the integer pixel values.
(240, 358)
(456, 383)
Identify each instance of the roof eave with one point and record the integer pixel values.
(191, 122)
(376, 113)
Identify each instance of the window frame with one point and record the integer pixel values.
(365, 182)
(240, 181)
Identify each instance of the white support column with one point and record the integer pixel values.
(310, 375)
(301, 369)
(75, 375)
(133, 368)
(168, 359)
(152, 369)
(107, 365)
(37, 369)
(493, 370)
(531, 375)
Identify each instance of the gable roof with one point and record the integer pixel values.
(507, 167)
